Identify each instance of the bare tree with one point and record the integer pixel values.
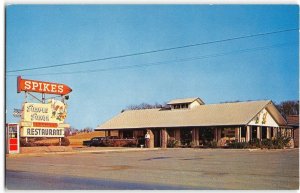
(290, 107)
(145, 106)
(87, 129)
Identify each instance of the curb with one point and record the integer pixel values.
(80, 152)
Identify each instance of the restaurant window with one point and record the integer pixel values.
(184, 106)
(228, 132)
(127, 134)
(176, 106)
(181, 106)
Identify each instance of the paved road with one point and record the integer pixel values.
(161, 169)
(17, 180)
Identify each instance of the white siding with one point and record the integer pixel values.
(260, 120)
(194, 104)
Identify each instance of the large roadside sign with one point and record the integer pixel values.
(42, 87)
(49, 113)
(43, 120)
(42, 132)
(46, 119)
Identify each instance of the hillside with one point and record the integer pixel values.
(76, 140)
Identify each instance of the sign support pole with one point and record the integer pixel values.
(43, 98)
(25, 97)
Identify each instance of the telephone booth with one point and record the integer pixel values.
(12, 138)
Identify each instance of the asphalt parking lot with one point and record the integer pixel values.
(157, 169)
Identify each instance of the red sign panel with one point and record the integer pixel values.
(13, 144)
(42, 124)
(42, 87)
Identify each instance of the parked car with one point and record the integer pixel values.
(95, 141)
(111, 141)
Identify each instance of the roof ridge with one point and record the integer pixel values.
(249, 101)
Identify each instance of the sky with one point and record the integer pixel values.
(256, 67)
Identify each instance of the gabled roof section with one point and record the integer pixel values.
(225, 114)
(185, 100)
(271, 108)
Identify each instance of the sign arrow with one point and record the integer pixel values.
(42, 87)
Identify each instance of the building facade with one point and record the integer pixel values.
(293, 122)
(191, 122)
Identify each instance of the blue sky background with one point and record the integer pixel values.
(41, 35)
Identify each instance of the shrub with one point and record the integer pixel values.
(120, 143)
(172, 143)
(29, 143)
(212, 144)
(278, 143)
(255, 143)
(267, 143)
(65, 141)
(281, 142)
(238, 145)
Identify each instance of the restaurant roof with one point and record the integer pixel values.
(238, 113)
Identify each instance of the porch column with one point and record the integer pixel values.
(198, 136)
(248, 129)
(164, 138)
(237, 134)
(195, 136)
(177, 135)
(258, 132)
(151, 143)
(268, 133)
(240, 134)
(215, 134)
(219, 134)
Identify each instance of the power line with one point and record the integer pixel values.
(152, 51)
(162, 62)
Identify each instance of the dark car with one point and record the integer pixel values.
(111, 141)
(95, 141)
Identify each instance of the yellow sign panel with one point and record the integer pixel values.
(54, 112)
(42, 132)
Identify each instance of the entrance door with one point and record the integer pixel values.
(156, 133)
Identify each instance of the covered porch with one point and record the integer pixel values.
(201, 136)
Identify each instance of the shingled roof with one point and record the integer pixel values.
(239, 113)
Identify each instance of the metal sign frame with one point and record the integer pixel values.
(12, 143)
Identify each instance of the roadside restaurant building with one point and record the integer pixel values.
(191, 121)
